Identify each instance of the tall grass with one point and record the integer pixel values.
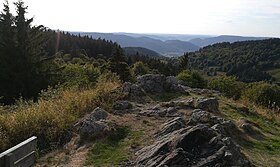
(52, 119)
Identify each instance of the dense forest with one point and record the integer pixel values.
(248, 60)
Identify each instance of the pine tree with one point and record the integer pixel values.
(21, 53)
(184, 61)
(118, 64)
(7, 52)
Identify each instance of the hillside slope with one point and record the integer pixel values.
(159, 124)
(222, 38)
(248, 60)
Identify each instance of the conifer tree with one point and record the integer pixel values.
(21, 55)
(7, 51)
(118, 64)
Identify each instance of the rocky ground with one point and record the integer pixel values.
(188, 130)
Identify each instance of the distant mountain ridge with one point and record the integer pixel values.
(166, 48)
(223, 38)
(167, 44)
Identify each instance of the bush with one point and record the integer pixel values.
(52, 119)
(262, 93)
(139, 68)
(79, 75)
(228, 85)
(192, 79)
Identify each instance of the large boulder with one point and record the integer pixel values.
(157, 83)
(93, 129)
(94, 125)
(208, 104)
(152, 83)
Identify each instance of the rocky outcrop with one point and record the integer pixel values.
(156, 83)
(94, 125)
(208, 104)
(134, 92)
(200, 145)
(152, 83)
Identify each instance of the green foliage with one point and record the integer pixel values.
(79, 75)
(263, 93)
(228, 85)
(192, 79)
(139, 68)
(247, 60)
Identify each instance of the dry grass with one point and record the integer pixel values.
(51, 120)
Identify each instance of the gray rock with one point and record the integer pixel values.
(122, 105)
(153, 113)
(184, 103)
(93, 129)
(171, 126)
(250, 129)
(158, 84)
(134, 92)
(98, 114)
(173, 85)
(160, 112)
(208, 104)
(195, 146)
(94, 125)
(199, 116)
(152, 83)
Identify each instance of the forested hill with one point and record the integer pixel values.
(129, 51)
(76, 46)
(248, 60)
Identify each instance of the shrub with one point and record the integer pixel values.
(139, 68)
(79, 75)
(52, 119)
(192, 79)
(228, 85)
(262, 93)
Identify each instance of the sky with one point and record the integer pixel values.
(207, 17)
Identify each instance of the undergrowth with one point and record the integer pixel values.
(52, 119)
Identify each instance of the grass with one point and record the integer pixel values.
(275, 73)
(114, 149)
(264, 152)
(52, 119)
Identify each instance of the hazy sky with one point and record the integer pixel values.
(212, 17)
